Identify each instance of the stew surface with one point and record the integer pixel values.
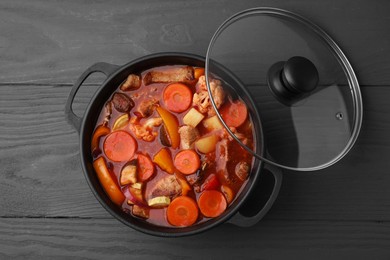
(161, 153)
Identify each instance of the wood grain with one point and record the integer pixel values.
(102, 239)
(42, 176)
(55, 42)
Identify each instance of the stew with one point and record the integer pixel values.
(161, 153)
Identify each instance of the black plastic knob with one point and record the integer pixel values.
(292, 80)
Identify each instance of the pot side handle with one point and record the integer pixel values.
(243, 221)
(105, 68)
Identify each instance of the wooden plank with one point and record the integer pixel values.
(102, 239)
(39, 154)
(55, 42)
(42, 176)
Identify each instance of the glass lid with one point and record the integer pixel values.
(299, 81)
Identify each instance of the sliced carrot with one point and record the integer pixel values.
(177, 97)
(187, 161)
(100, 131)
(182, 212)
(234, 113)
(172, 126)
(212, 203)
(119, 146)
(109, 185)
(198, 72)
(164, 160)
(145, 167)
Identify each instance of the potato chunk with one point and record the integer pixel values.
(193, 117)
(212, 123)
(206, 144)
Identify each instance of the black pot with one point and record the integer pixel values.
(85, 126)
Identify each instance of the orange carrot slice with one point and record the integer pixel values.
(187, 161)
(119, 146)
(182, 212)
(177, 97)
(212, 203)
(234, 113)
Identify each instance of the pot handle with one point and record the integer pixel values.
(105, 68)
(243, 221)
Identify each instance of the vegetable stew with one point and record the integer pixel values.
(161, 153)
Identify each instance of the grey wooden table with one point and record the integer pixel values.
(46, 208)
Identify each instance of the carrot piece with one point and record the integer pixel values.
(100, 131)
(212, 203)
(119, 146)
(109, 185)
(185, 187)
(164, 160)
(182, 212)
(177, 97)
(172, 126)
(145, 167)
(187, 161)
(198, 72)
(234, 113)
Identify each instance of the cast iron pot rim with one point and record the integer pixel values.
(176, 231)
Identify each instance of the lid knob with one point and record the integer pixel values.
(292, 80)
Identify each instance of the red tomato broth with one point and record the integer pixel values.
(157, 216)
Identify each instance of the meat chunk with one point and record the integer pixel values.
(122, 102)
(202, 98)
(240, 136)
(167, 186)
(132, 82)
(182, 74)
(223, 152)
(145, 131)
(242, 170)
(147, 107)
(141, 212)
(107, 112)
(188, 136)
(196, 180)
